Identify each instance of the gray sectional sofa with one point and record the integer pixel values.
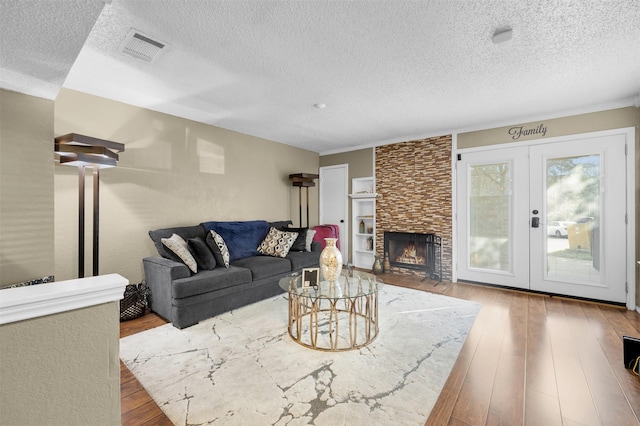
(185, 298)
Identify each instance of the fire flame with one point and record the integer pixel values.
(410, 255)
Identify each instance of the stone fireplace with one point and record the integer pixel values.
(422, 252)
(414, 186)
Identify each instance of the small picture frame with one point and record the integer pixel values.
(310, 277)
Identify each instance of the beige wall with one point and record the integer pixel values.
(360, 162)
(605, 120)
(593, 122)
(61, 369)
(26, 188)
(173, 172)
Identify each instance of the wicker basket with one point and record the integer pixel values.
(134, 303)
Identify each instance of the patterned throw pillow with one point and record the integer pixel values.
(179, 246)
(310, 234)
(219, 248)
(277, 243)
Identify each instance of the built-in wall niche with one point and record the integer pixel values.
(363, 212)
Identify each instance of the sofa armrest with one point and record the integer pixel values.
(159, 274)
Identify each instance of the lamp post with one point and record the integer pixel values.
(85, 151)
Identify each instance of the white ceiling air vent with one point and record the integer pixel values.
(142, 46)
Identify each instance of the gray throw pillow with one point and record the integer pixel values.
(300, 243)
(202, 253)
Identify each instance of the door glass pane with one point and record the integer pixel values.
(490, 216)
(573, 218)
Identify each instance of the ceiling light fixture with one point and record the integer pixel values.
(320, 106)
(502, 34)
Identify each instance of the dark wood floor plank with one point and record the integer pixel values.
(473, 402)
(160, 420)
(542, 409)
(144, 413)
(128, 387)
(508, 394)
(449, 396)
(608, 397)
(146, 322)
(620, 322)
(134, 400)
(507, 399)
(540, 370)
(611, 345)
(576, 403)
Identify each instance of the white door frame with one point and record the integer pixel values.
(630, 165)
(344, 234)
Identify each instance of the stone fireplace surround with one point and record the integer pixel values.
(413, 182)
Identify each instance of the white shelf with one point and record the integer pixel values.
(364, 251)
(363, 210)
(364, 195)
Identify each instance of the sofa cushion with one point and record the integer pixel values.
(242, 238)
(218, 248)
(309, 243)
(264, 266)
(180, 248)
(277, 243)
(301, 241)
(280, 224)
(202, 253)
(208, 281)
(303, 259)
(185, 232)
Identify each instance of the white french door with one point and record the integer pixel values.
(549, 217)
(493, 214)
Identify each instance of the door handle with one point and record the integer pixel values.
(535, 222)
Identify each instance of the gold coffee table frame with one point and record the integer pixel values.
(346, 311)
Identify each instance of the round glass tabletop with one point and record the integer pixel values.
(360, 284)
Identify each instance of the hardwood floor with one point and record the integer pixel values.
(529, 359)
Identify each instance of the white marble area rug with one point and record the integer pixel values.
(242, 368)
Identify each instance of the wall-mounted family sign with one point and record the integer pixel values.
(516, 132)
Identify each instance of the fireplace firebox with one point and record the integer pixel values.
(415, 251)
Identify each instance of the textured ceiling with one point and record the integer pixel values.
(387, 70)
(40, 40)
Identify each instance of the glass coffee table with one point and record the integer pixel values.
(338, 316)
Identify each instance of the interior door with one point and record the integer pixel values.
(334, 207)
(548, 217)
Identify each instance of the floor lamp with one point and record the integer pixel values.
(303, 180)
(85, 151)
